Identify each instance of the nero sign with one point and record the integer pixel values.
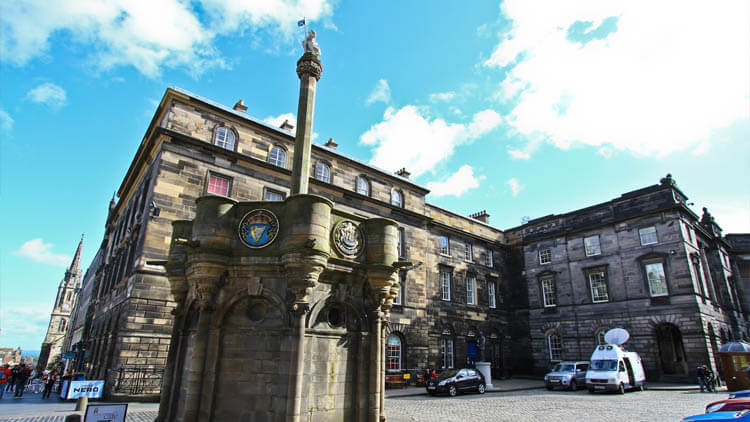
(90, 389)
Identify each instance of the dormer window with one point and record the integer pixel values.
(363, 186)
(397, 198)
(277, 157)
(224, 137)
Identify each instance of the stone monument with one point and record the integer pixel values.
(281, 305)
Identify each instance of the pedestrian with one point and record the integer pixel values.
(21, 377)
(49, 382)
(12, 382)
(710, 379)
(700, 373)
(4, 377)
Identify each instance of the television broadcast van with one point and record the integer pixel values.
(614, 369)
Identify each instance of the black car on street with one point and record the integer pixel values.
(453, 381)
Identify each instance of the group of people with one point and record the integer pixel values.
(706, 378)
(14, 379)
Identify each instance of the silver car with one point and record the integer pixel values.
(569, 375)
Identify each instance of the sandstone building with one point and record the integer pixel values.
(59, 322)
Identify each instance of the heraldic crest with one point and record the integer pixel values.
(258, 228)
(348, 239)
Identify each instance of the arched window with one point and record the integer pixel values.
(397, 198)
(554, 345)
(224, 137)
(393, 353)
(277, 157)
(322, 172)
(61, 326)
(363, 186)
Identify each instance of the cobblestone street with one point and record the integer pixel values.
(558, 406)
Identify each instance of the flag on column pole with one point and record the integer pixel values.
(301, 22)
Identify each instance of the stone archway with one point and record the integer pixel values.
(671, 349)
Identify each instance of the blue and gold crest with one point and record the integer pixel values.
(258, 228)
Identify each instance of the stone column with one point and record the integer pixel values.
(204, 276)
(309, 70)
(373, 412)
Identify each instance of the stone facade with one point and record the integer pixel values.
(644, 262)
(59, 322)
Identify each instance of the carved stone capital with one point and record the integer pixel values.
(303, 271)
(204, 276)
(309, 65)
(382, 279)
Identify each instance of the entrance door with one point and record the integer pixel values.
(671, 350)
(496, 356)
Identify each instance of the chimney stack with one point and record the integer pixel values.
(240, 106)
(481, 216)
(330, 144)
(403, 173)
(286, 125)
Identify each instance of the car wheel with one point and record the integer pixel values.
(549, 387)
(573, 385)
(481, 388)
(452, 391)
(621, 388)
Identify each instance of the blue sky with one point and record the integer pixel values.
(520, 108)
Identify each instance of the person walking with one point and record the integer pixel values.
(700, 373)
(49, 382)
(21, 377)
(4, 377)
(12, 381)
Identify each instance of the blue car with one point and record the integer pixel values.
(733, 416)
(739, 394)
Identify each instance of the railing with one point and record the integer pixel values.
(135, 380)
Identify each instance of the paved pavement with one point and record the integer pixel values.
(516, 399)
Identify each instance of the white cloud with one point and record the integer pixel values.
(6, 122)
(606, 152)
(456, 184)
(381, 92)
(49, 94)
(442, 96)
(732, 218)
(518, 154)
(515, 186)
(408, 138)
(280, 119)
(663, 79)
(39, 251)
(25, 318)
(147, 35)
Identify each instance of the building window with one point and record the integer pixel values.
(470, 290)
(323, 172)
(491, 294)
(657, 280)
(398, 300)
(224, 137)
(393, 353)
(469, 252)
(600, 337)
(490, 262)
(397, 198)
(548, 292)
(445, 285)
(598, 282)
(554, 344)
(400, 242)
(61, 326)
(592, 245)
(690, 234)
(277, 157)
(218, 185)
(446, 350)
(273, 195)
(363, 186)
(545, 256)
(68, 296)
(445, 245)
(648, 235)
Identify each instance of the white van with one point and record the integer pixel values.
(614, 369)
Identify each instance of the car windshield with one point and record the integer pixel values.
(563, 367)
(603, 365)
(450, 373)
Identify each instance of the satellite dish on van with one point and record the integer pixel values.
(616, 336)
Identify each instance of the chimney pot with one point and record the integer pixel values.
(330, 144)
(240, 106)
(403, 173)
(481, 216)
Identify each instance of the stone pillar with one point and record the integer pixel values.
(309, 70)
(373, 405)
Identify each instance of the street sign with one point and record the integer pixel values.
(69, 355)
(106, 412)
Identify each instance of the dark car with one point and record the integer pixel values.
(728, 405)
(742, 415)
(453, 381)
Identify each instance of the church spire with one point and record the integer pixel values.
(75, 266)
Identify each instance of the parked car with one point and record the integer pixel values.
(453, 381)
(742, 415)
(728, 405)
(739, 394)
(569, 375)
